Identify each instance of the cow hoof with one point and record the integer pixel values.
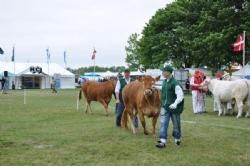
(238, 116)
(145, 132)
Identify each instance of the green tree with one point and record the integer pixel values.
(194, 33)
(132, 56)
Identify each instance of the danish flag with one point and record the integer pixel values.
(239, 44)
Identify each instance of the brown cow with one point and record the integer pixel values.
(143, 99)
(98, 91)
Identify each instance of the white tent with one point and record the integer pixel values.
(243, 72)
(137, 73)
(24, 78)
(108, 74)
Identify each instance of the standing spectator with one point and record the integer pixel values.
(187, 84)
(121, 83)
(4, 85)
(172, 101)
(13, 85)
(53, 85)
(2, 82)
(198, 94)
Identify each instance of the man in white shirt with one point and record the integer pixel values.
(121, 83)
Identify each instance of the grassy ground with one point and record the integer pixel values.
(48, 130)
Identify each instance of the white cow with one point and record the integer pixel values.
(225, 91)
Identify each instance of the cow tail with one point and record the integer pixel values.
(114, 95)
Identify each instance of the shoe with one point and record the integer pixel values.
(161, 145)
(177, 142)
(159, 141)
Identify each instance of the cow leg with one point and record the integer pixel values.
(142, 119)
(124, 121)
(248, 113)
(240, 108)
(154, 120)
(88, 107)
(229, 107)
(224, 108)
(248, 109)
(218, 105)
(105, 105)
(233, 106)
(130, 118)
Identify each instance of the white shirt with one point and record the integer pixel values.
(179, 94)
(118, 85)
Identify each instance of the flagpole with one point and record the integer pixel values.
(14, 65)
(93, 56)
(48, 58)
(94, 65)
(65, 62)
(244, 48)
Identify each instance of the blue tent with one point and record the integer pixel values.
(91, 75)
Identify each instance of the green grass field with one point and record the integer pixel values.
(48, 130)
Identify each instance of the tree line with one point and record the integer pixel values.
(83, 70)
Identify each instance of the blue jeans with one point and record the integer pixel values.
(118, 113)
(164, 120)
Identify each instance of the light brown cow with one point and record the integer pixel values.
(98, 91)
(143, 99)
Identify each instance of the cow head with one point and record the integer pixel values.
(148, 84)
(207, 83)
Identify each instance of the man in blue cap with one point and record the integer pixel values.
(172, 101)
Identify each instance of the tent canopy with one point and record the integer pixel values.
(91, 74)
(243, 72)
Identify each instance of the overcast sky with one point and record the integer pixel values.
(72, 25)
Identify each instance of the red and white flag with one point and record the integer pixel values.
(93, 55)
(239, 44)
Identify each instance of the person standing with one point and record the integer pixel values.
(53, 85)
(4, 85)
(198, 94)
(121, 83)
(172, 101)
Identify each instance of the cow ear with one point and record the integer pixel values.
(157, 78)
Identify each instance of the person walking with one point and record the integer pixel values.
(172, 101)
(121, 83)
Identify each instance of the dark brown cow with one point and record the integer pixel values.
(143, 99)
(98, 91)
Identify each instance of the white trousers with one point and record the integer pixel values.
(198, 101)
